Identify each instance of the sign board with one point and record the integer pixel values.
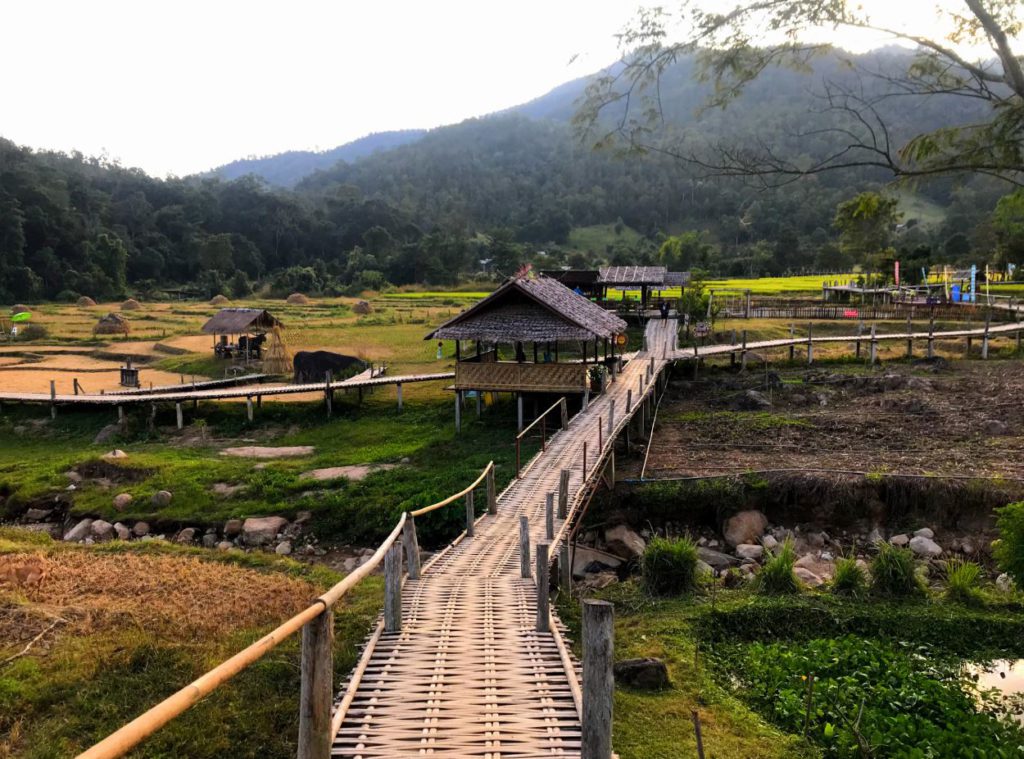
(850, 313)
(702, 329)
(620, 339)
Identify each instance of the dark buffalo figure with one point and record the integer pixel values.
(312, 366)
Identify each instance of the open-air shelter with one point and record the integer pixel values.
(239, 332)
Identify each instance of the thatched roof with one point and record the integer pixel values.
(677, 279)
(111, 324)
(633, 275)
(531, 310)
(238, 321)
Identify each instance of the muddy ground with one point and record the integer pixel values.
(955, 419)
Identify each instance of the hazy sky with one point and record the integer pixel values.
(182, 87)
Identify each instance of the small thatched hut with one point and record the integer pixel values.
(85, 302)
(297, 299)
(131, 305)
(18, 308)
(219, 300)
(362, 307)
(111, 324)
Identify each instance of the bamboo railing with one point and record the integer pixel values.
(542, 421)
(315, 730)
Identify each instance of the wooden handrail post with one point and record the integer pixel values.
(910, 339)
(563, 493)
(398, 388)
(524, 547)
(810, 344)
(860, 331)
(492, 499)
(248, 407)
(543, 589)
(316, 688)
(629, 399)
(393, 589)
(518, 465)
(412, 546)
(470, 514)
(584, 460)
(328, 393)
(544, 433)
(792, 346)
(53, 399)
(564, 568)
(611, 416)
(931, 337)
(650, 368)
(984, 338)
(600, 436)
(564, 408)
(874, 346)
(598, 679)
(180, 416)
(549, 515)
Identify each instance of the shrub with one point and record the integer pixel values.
(962, 581)
(33, 332)
(776, 576)
(892, 572)
(1009, 549)
(669, 566)
(850, 578)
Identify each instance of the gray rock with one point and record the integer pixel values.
(900, 541)
(624, 542)
(716, 559)
(260, 531)
(1004, 583)
(101, 530)
(705, 569)
(643, 674)
(769, 542)
(600, 580)
(225, 545)
(107, 434)
(816, 539)
(745, 527)
(924, 532)
(827, 556)
(750, 551)
(350, 563)
(755, 399)
(283, 549)
(875, 536)
(186, 536)
(807, 577)
(967, 547)
(232, 528)
(925, 547)
(140, 529)
(209, 540)
(73, 477)
(37, 515)
(121, 501)
(161, 498)
(121, 531)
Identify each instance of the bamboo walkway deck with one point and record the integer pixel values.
(469, 675)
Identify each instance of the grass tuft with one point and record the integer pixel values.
(892, 572)
(776, 577)
(669, 566)
(850, 578)
(962, 581)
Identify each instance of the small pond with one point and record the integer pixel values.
(1006, 677)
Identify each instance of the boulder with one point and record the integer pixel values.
(283, 549)
(769, 542)
(750, 551)
(121, 501)
(232, 528)
(121, 531)
(79, 532)
(624, 542)
(745, 527)
(755, 399)
(101, 530)
(73, 477)
(924, 532)
(704, 569)
(37, 515)
(186, 536)
(600, 580)
(107, 434)
(259, 531)
(925, 547)
(225, 545)
(900, 541)
(807, 577)
(140, 529)
(716, 559)
(350, 563)
(875, 536)
(209, 540)
(117, 453)
(643, 674)
(1003, 582)
(161, 498)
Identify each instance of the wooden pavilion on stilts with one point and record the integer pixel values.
(533, 336)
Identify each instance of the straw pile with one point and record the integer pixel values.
(86, 302)
(131, 305)
(362, 307)
(19, 309)
(297, 299)
(219, 300)
(277, 359)
(111, 324)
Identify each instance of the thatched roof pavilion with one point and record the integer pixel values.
(243, 322)
(530, 310)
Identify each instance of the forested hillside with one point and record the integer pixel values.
(478, 199)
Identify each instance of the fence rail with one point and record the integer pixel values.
(130, 735)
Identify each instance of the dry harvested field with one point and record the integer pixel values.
(953, 419)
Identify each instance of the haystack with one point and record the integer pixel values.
(111, 324)
(219, 300)
(131, 305)
(277, 359)
(297, 299)
(362, 307)
(86, 302)
(18, 308)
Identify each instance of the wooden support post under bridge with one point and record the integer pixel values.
(598, 679)
(543, 588)
(524, 547)
(317, 683)
(328, 393)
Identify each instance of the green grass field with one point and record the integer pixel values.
(597, 238)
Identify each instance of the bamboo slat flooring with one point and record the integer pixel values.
(469, 675)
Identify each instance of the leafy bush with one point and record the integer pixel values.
(962, 581)
(1009, 549)
(776, 576)
(850, 578)
(911, 702)
(892, 572)
(669, 566)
